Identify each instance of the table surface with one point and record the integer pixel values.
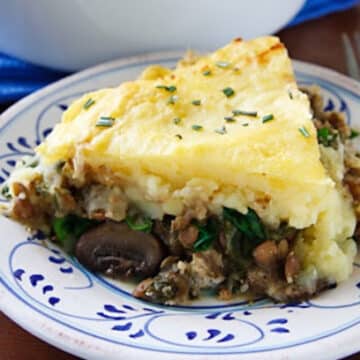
(317, 41)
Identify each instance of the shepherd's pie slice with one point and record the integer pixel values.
(220, 170)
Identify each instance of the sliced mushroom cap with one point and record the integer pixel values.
(117, 250)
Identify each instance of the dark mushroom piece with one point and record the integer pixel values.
(115, 249)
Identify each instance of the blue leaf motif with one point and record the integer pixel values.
(213, 315)
(113, 309)
(280, 330)
(358, 285)
(105, 316)
(124, 327)
(19, 273)
(137, 334)
(247, 313)
(5, 172)
(67, 270)
(2, 180)
(11, 147)
(62, 107)
(191, 335)
(56, 260)
(228, 317)
(11, 162)
(212, 333)
(53, 300)
(280, 321)
(329, 106)
(23, 142)
(226, 338)
(47, 288)
(34, 279)
(343, 106)
(47, 132)
(128, 307)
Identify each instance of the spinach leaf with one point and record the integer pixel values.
(139, 223)
(69, 228)
(250, 231)
(207, 234)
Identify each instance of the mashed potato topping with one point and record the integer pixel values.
(227, 130)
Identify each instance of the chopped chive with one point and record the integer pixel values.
(229, 119)
(354, 134)
(290, 95)
(89, 102)
(245, 113)
(197, 127)
(173, 99)
(304, 132)
(267, 118)
(196, 102)
(178, 136)
(228, 92)
(222, 64)
(245, 124)
(177, 121)
(170, 88)
(105, 121)
(221, 131)
(206, 72)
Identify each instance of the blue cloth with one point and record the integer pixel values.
(19, 78)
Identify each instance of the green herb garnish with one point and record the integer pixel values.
(173, 99)
(221, 131)
(105, 121)
(197, 127)
(267, 118)
(245, 124)
(229, 119)
(354, 134)
(207, 234)
(326, 136)
(178, 136)
(244, 113)
(196, 102)
(68, 230)
(304, 132)
(290, 95)
(170, 88)
(222, 64)
(206, 72)
(139, 223)
(177, 121)
(228, 91)
(89, 102)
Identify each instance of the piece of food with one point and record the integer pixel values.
(221, 174)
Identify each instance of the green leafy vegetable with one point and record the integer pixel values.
(325, 136)
(139, 223)
(5, 192)
(207, 234)
(178, 136)
(177, 121)
(206, 72)
(196, 102)
(354, 134)
(69, 228)
(251, 231)
(229, 119)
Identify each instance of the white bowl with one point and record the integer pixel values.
(74, 34)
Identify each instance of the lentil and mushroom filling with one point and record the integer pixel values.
(175, 258)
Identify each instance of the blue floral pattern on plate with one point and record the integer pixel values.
(57, 288)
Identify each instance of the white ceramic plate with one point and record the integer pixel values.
(53, 297)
